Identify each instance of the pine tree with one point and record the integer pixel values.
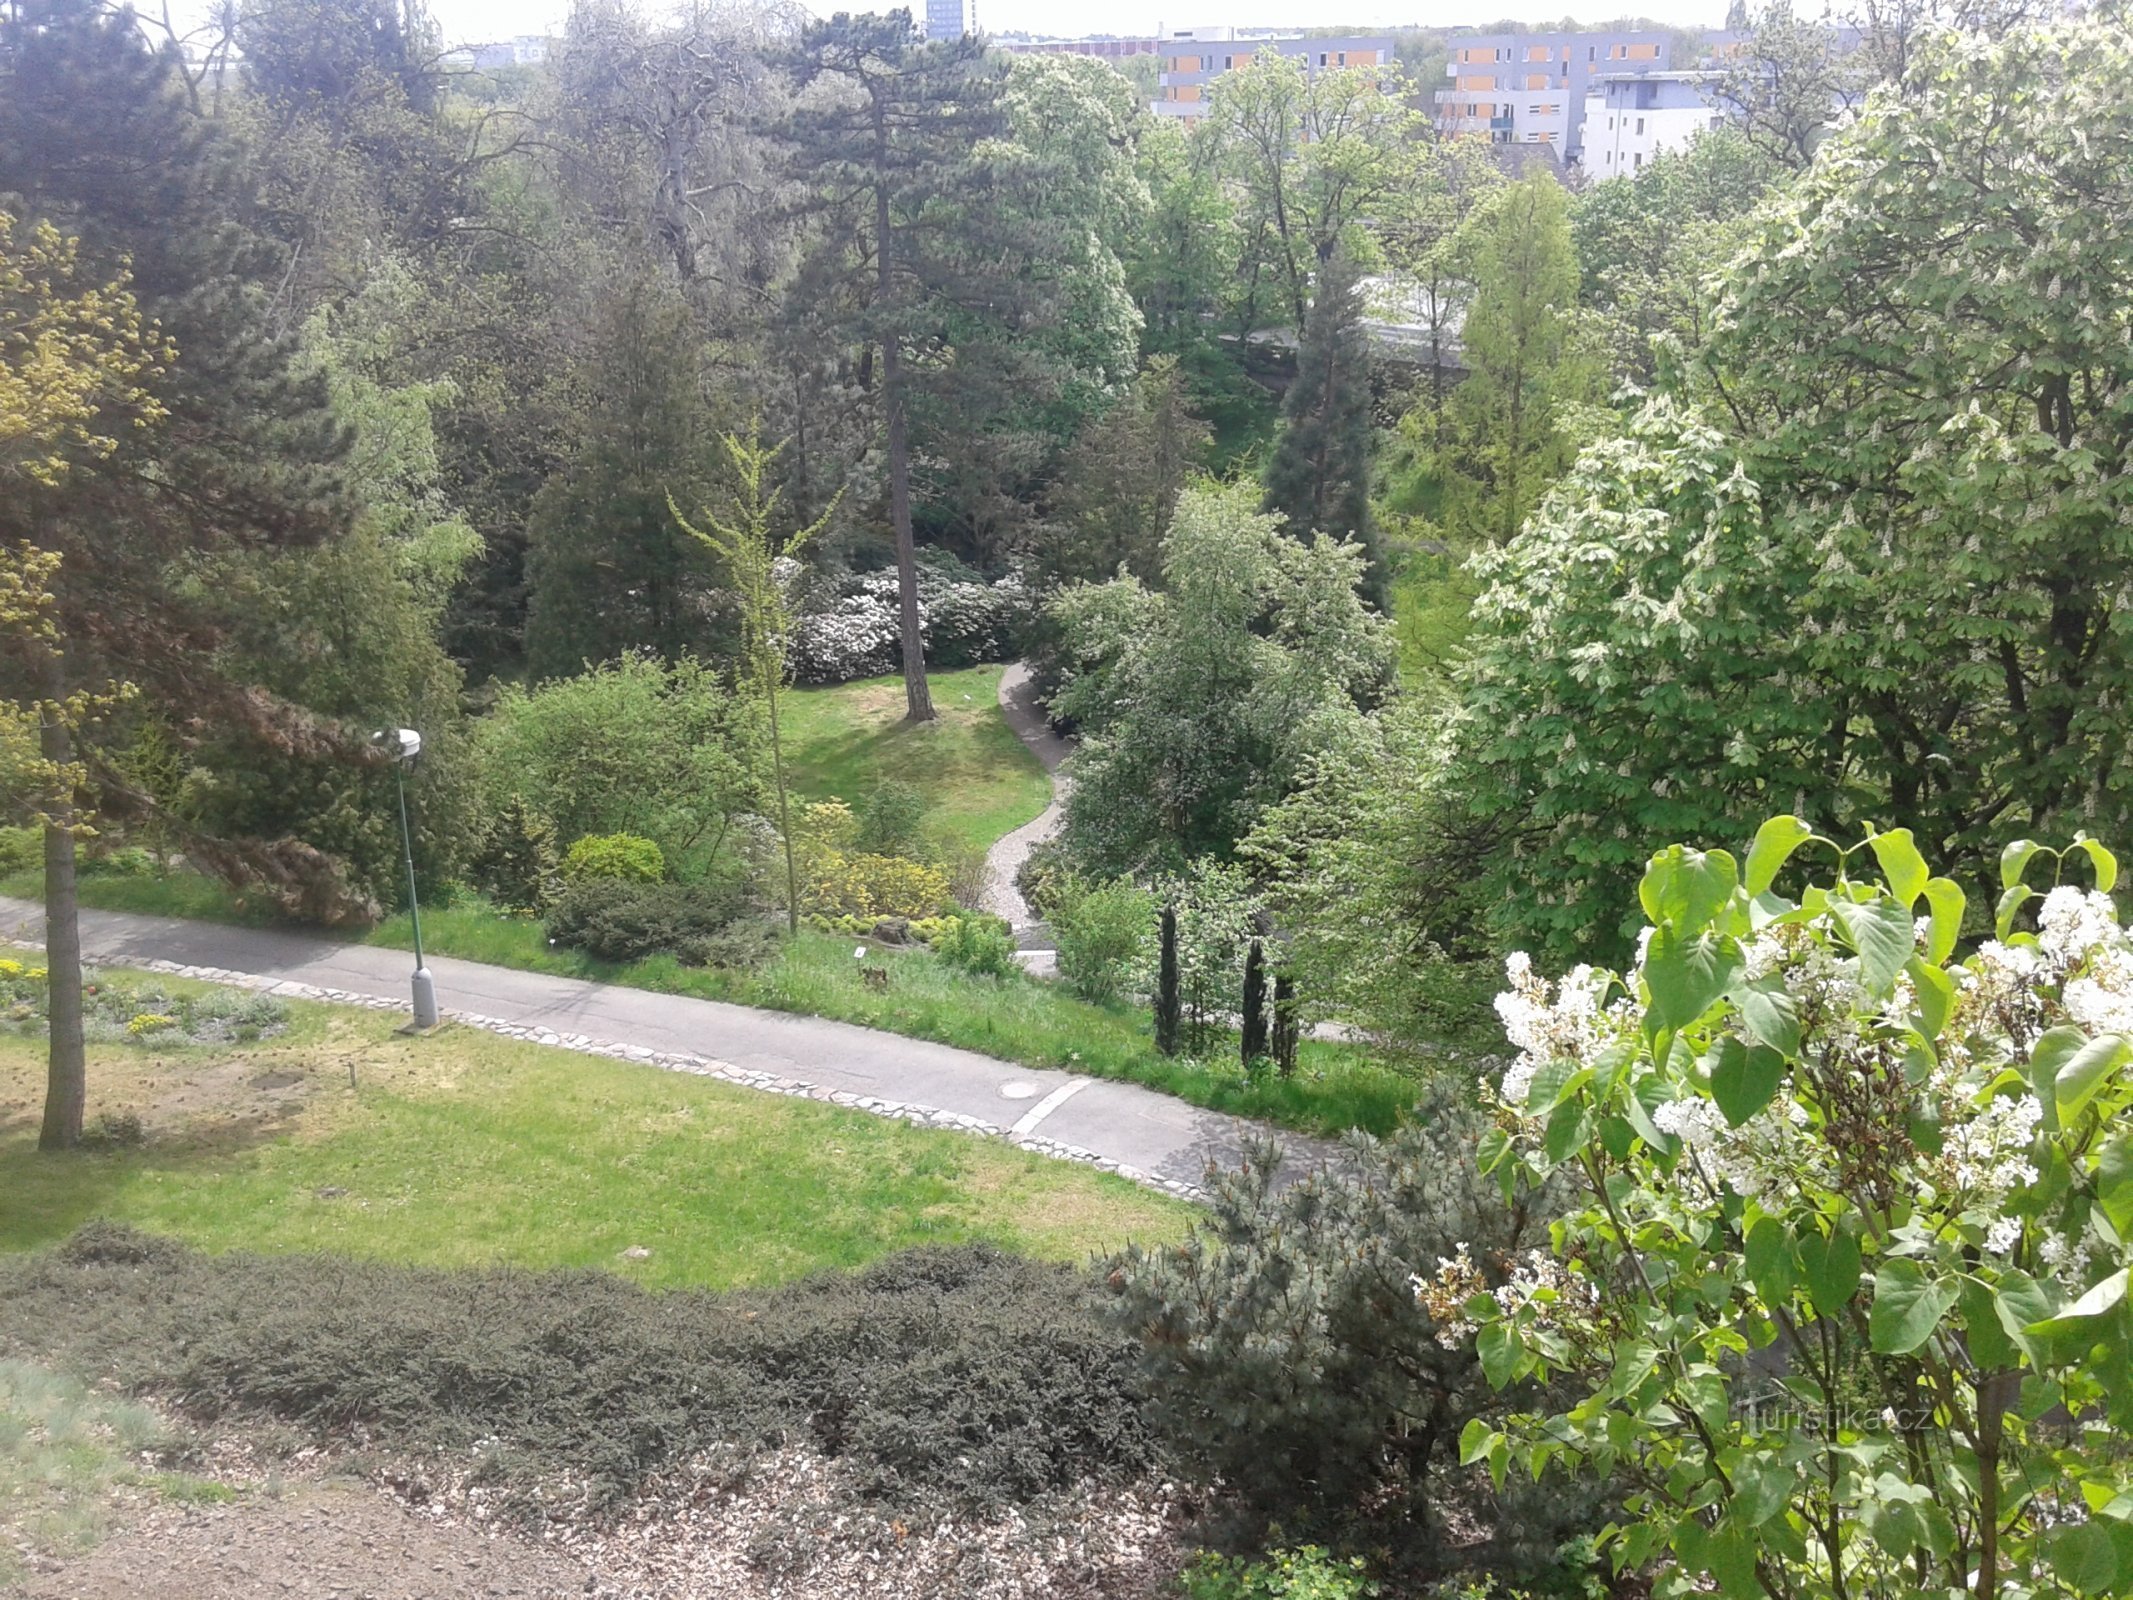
(887, 139)
(1288, 1026)
(1319, 477)
(97, 138)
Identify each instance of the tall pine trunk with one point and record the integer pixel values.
(918, 699)
(66, 1073)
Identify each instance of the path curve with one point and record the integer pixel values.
(1123, 1127)
(1019, 704)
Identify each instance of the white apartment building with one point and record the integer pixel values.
(1631, 118)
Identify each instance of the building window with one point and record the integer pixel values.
(1592, 52)
(1640, 125)
(1322, 58)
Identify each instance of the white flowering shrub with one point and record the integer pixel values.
(1847, 1288)
(852, 628)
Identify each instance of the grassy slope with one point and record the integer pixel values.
(468, 1148)
(979, 780)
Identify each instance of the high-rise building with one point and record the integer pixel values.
(1193, 58)
(1530, 88)
(1628, 120)
(951, 19)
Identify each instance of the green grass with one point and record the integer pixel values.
(979, 780)
(1336, 1087)
(470, 1149)
(66, 1454)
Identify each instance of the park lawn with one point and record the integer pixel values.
(471, 1149)
(979, 780)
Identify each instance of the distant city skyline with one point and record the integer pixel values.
(481, 21)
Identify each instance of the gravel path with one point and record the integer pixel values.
(1018, 703)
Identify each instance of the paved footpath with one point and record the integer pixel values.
(1019, 705)
(1148, 1136)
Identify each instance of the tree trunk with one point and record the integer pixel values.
(67, 1077)
(918, 699)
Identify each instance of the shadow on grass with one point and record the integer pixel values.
(51, 1193)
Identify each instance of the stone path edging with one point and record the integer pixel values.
(703, 1067)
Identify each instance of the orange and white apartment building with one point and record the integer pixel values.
(1193, 58)
(1531, 88)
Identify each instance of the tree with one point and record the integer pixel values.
(751, 551)
(1121, 481)
(74, 361)
(1788, 84)
(1527, 366)
(607, 570)
(1418, 231)
(887, 145)
(1319, 477)
(1199, 704)
(1880, 580)
(1848, 1238)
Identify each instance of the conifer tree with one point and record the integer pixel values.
(888, 139)
(98, 139)
(1319, 477)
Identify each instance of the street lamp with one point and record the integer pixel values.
(401, 746)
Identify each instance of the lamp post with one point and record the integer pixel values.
(402, 745)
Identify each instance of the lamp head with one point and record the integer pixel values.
(400, 744)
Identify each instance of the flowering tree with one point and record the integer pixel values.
(1848, 1287)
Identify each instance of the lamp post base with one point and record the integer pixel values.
(425, 1002)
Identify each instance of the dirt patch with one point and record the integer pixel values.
(315, 1542)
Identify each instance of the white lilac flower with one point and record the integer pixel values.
(2004, 1234)
(2069, 1262)
(2072, 922)
(2101, 999)
(1571, 1023)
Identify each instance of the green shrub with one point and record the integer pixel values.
(892, 821)
(130, 862)
(959, 1379)
(1297, 1376)
(979, 945)
(21, 849)
(1041, 874)
(614, 857)
(611, 919)
(516, 865)
(1103, 932)
(1309, 1573)
(874, 886)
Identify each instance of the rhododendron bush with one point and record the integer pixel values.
(1848, 1282)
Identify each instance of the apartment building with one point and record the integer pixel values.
(1532, 88)
(951, 19)
(1630, 119)
(1191, 59)
(1106, 49)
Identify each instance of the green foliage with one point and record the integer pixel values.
(1367, 867)
(1103, 931)
(516, 865)
(892, 821)
(1120, 482)
(1294, 1372)
(1319, 475)
(145, 1014)
(619, 920)
(1308, 1572)
(637, 746)
(20, 850)
(615, 857)
(1512, 422)
(842, 884)
(1199, 705)
(542, 1377)
(981, 946)
(1803, 1133)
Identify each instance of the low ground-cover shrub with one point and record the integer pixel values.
(863, 885)
(613, 919)
(981, 946)
(127, 1013)
(962, 1378)
(1309, 1573)
(618, 857)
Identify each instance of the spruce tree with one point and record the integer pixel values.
(1252, 1024)
(1168, 1011)
(1319, 477)
(97, 137)
(887, 140)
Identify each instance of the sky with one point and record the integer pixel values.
(472, 21)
